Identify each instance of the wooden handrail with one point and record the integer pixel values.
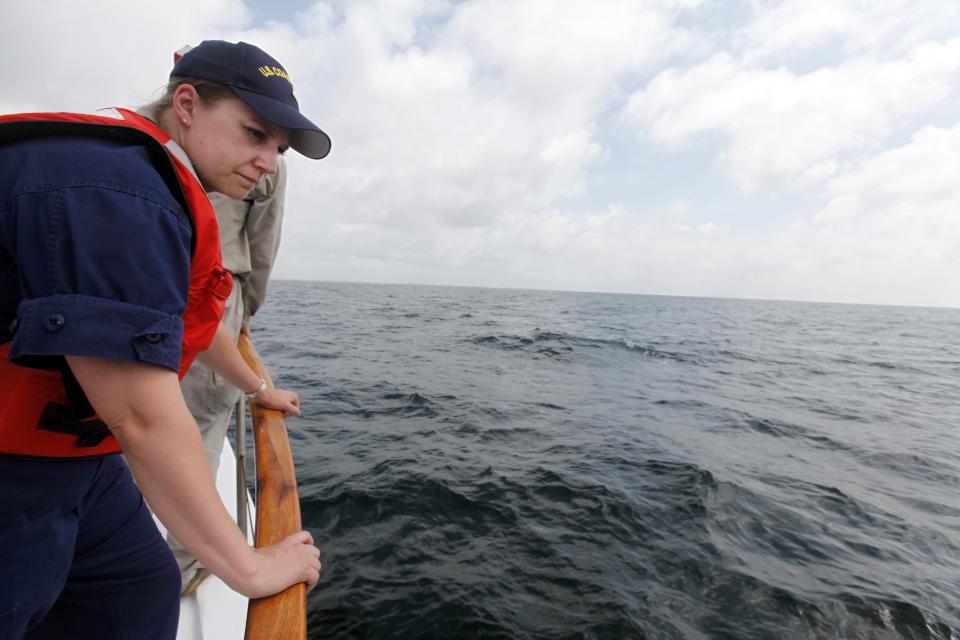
(283, 615)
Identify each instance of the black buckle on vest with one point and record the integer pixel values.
(76, 417)
(60, 419)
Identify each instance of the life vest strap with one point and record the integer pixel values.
(61, 419)
(76, 417)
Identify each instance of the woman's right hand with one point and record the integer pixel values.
(292, 560)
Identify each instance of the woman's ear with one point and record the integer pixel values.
(185, 103)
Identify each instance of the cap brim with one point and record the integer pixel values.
(307, 138)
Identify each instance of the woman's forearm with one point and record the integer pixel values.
(223, 357)
(145, 411)
(174, 477)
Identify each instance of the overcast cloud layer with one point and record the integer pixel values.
(804, 149)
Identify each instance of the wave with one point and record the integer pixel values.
(556, 344)
(772, 427)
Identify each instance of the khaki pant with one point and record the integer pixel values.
(211, 400)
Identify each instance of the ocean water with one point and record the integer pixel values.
(479, 463)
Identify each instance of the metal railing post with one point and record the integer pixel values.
(242, 515)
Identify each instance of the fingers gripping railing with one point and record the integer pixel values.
(283, 615)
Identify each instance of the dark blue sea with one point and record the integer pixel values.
(480, 463)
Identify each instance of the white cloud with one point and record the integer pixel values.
(922, 173)
(783, 125)
(486, 115)
(795, 29)
(66, 55)
(893, 221)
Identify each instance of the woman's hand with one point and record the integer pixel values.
(281, 400)
(292, 560)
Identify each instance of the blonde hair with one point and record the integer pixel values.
(208, 90)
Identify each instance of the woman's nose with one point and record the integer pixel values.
(267, 160)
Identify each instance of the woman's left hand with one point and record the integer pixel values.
(281, 400)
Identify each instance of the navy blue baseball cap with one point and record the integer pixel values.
(261, 82)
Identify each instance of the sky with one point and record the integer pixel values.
(800, 149)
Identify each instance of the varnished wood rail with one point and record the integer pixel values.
(283, 615)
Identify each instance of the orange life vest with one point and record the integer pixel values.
(40, 411)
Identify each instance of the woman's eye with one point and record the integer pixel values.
(256, 134)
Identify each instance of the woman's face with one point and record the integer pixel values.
(231, 147)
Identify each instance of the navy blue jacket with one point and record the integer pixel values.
(102, 250)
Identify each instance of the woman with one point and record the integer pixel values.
(112, 286)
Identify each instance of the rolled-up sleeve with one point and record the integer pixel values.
(263, 226)
(104, 273)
